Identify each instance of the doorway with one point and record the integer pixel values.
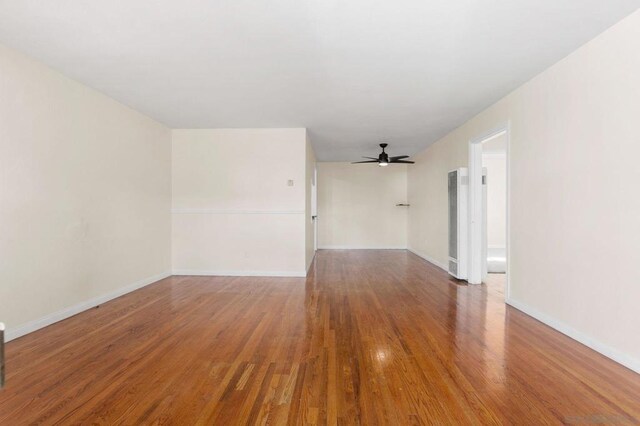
(488, 210)
(314, 207)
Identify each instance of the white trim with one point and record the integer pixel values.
(361, 248)
(606, 350)
(238, 273)
(429, 259)
(475, 219)
(31, 326)
(222, 211)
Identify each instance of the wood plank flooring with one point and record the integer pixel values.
(370, 337)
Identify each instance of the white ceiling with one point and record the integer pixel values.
(354, 72)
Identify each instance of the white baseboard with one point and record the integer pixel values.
(429, 259)
(21, 330)
(208, 273)
(606, 350)
(360, 248)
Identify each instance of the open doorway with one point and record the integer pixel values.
(488, 212)
(314, 207)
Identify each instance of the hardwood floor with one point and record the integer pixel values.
(370, 337)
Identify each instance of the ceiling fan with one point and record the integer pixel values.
(384, 159)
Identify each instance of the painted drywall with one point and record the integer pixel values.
(573, 202)
(310, 179)
(496, 167)
(494, 160)
(234, 211)
(357, 206)
(85, 193)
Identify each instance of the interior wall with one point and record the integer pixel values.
(310, 177)
(573, 170)
(494, 160)
(234, 211)
(357, 206)
(85, 193)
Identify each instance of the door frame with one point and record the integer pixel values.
(476, 208)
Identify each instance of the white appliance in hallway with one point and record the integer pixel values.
(459, 225)
(458, 214)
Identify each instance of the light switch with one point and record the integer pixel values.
(290, 182)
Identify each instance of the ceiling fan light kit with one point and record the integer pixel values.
(384, 160)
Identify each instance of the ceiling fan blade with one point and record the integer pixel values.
(368, 161)
(399, 157)
(402, 161)
(371, 158)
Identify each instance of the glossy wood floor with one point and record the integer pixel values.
(371, 337)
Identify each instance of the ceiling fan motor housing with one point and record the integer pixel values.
(383, 157)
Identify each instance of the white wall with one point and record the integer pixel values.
(85, 193)
(496, 166)
(233, 210)
(574, 206)
(494, 160)
(357, 206)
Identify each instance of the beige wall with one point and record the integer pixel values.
(233, 210)
(496, 167)
(84, 196)
(357, 206)
(310, 168)
(427, 193)
(574, 206)
(494, 160)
